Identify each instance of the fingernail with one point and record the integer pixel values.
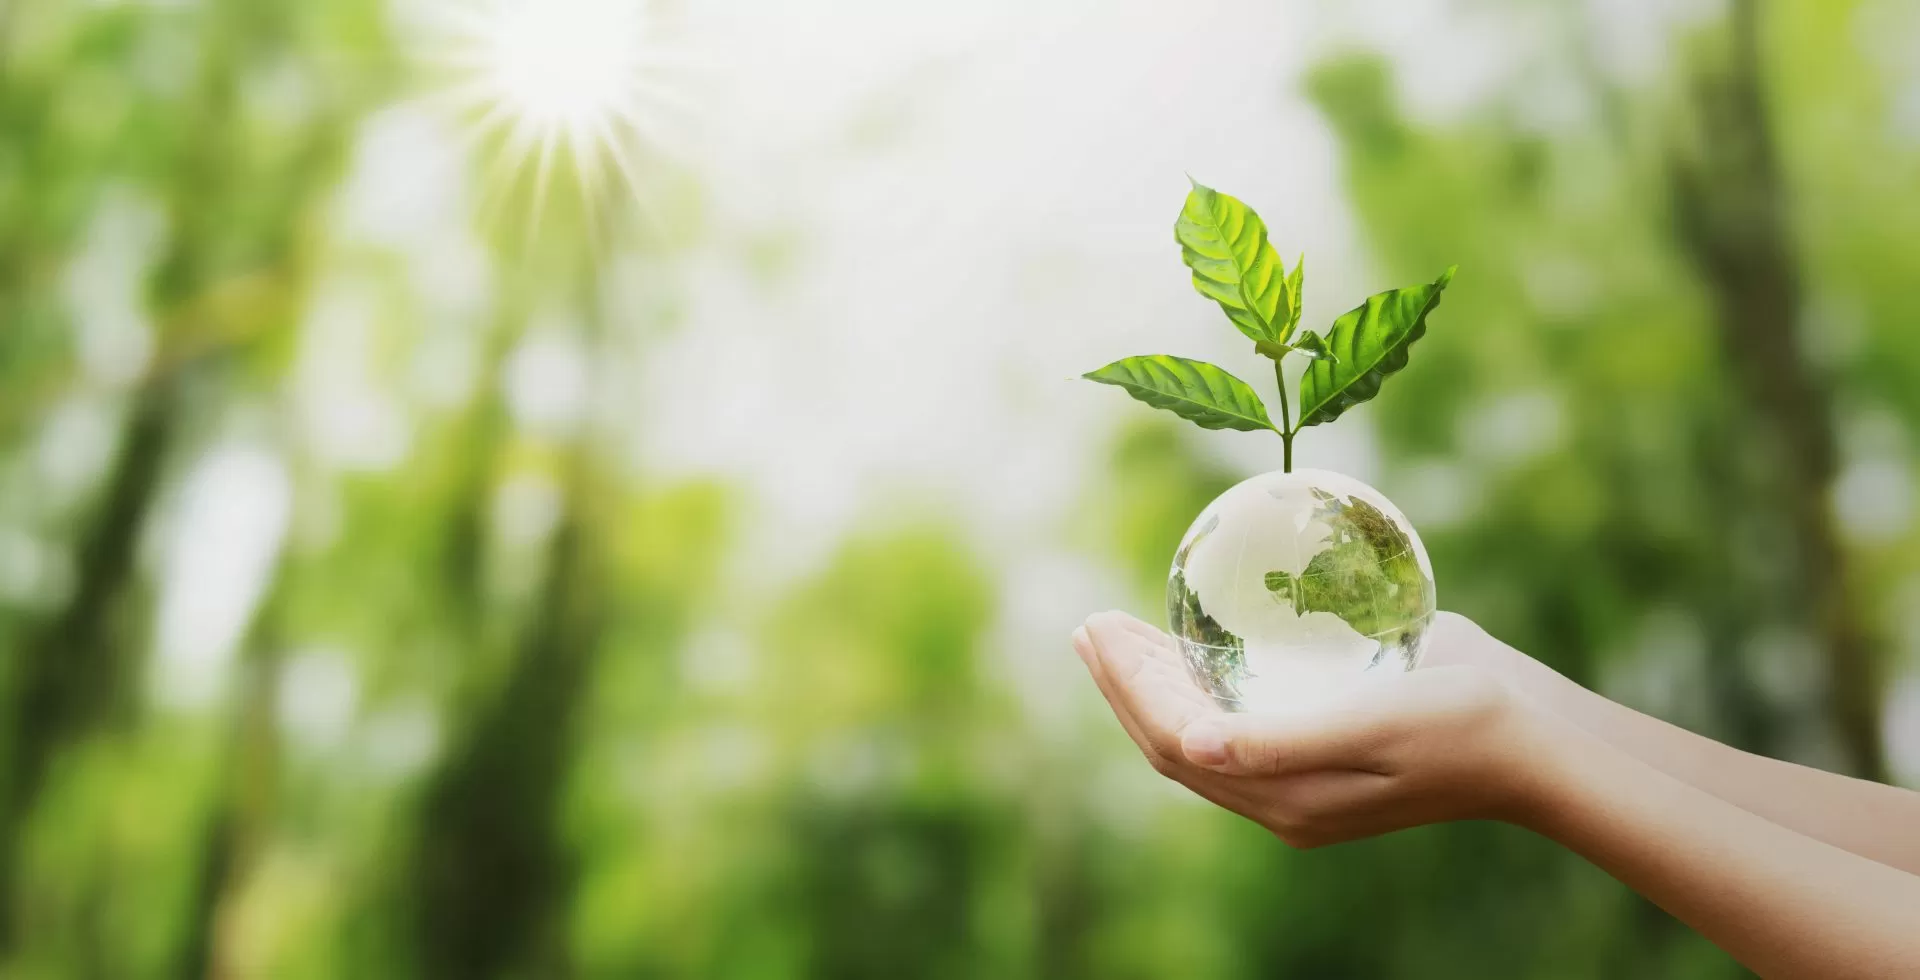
(1205, 745)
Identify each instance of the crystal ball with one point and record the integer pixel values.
(1291, 582)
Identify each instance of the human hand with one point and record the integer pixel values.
(1454, 640)
(1437, 744)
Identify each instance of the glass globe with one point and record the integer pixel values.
(1291, 582)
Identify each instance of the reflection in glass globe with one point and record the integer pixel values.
(1290, 582)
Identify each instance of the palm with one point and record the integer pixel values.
(1392, 752)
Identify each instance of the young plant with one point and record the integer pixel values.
(1225, 244)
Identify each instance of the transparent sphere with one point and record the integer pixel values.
(1291, 582)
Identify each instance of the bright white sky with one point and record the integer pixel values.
(981, 196)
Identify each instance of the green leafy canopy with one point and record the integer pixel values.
(1224, 243)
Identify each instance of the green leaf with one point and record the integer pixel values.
(1368, 343)
(1295, 298)
(1225, 244)
(1310, 344)
(1194, 390)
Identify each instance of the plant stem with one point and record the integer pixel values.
(1286, 419)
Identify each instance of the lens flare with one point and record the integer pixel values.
(543, 80)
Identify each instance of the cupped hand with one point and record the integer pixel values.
(1437, 744)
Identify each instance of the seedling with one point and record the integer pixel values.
(1225, 244)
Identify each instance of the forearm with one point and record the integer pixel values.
(1875, 821)
(1784, 904)
(1867, 818)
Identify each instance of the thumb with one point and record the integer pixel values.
(1271, 745)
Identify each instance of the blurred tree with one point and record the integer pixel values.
(1732, 213)
(491, 872)
(891, 844)
(240, 819)
(237, 190)
(631, 744)
(490, 869)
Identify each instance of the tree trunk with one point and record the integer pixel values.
(241, 816)
(490, 871)
(1730, 203)
(74, 671)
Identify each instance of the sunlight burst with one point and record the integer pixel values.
(551, 79)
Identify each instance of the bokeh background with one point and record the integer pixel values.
(438, 542)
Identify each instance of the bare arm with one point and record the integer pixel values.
(1460, 742)
(1783, 904)
(1870, 819)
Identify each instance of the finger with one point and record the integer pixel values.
(1157, 752)
(1171, 679)
(1344, 733)
(1161, 699)
(1223, 791)
(1083, 645)
(1136, 659)
(1164, 646)
(1162, 660)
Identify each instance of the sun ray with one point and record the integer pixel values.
(540, 174)
(534, 80)
(586, 169)
(648, 212)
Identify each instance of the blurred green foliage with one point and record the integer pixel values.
(573, 750)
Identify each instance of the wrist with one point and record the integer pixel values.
(1543, 754)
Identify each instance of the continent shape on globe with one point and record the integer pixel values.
(1289, 582)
